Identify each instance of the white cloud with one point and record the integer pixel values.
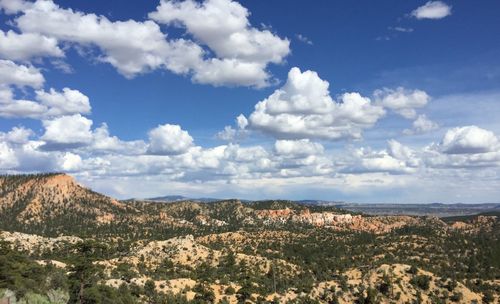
(384, 163)
(67, 132)
(62, 66)
(18, 135)
(104, 142)
(401, 152)
(20, 75)
(402, 29)
(15, 46)
(8, 157)
(169, 140)
(242, 51)
(130, 46)
(241, 121)
(66, 102)
(421, 125)
(12, 108)
(6, 94)
(22, 108)
(224, 27)
(13, 6)
(432, 10)
(48, 104)
(396, 159)
(304, 39)
(303, 108)
(236, 55)
(301, 163)
(231, 134)
(469, 140)
(70, 162)
(230, 72)
(228, 134)
(402, 101)
(297, 148)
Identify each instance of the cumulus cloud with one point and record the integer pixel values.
(463, 148)
(102, 141)
(10, 107)
(169, 140)
(66, 102)
(130, 46)
(225, 50)
(402, 101)
(401, 152)
(421, 125)
(224, 27)
(242, 51)
(384, 163)
(297, 148)
(47, 104)
(15, 46)
(6, 94)
(221, 48)
(70, 162)
(13, 6)
(27, 156)
(469, 140)
(67, 132)
(396, 159)
(230, 72)
(8, 157)
(432, 10)
(22, 109)
(231, 134)
(17, 135)
(297, 161)
(303, 108)
(20, 75)
(241, 121)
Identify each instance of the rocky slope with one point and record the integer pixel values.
(32, 243)
(39, 198)
(386, 283)
(264, 251)
(53, 204)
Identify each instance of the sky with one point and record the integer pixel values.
(372, 102)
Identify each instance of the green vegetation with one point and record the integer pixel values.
(299, 256)
(29, 280)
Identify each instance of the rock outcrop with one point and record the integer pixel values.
(378, 224)
(38, 198)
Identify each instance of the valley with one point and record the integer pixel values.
(63, 243)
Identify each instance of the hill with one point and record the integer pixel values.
(60, 241)
(35, 200)
(180, 198)
(54, 204)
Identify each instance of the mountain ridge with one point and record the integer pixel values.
(258, 250)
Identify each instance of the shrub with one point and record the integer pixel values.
(421, 281)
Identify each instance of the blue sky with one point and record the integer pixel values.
(389, 102)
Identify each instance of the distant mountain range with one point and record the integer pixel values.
(429, 209)
(433, 209)
(180, 198)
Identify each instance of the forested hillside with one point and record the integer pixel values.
(63, 243)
